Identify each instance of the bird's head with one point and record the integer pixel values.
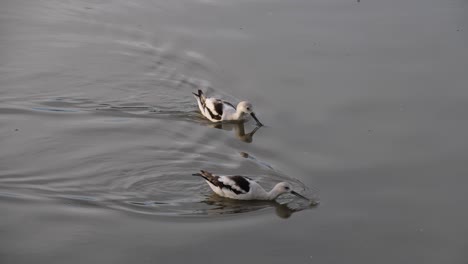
(284, 187)
(247, 108)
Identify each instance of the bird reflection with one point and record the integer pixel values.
(230, 206)
(239, 130)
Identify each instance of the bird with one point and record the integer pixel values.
(244, 188)
(217, 110)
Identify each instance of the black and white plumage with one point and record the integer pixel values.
(217, 110)
(244, 188)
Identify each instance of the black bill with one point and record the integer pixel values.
(256, 119)
(299, 195)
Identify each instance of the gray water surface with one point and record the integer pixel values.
(365, 105)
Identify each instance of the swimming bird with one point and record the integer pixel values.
(244, 188)
(217, 110)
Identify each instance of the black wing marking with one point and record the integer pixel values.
(218, 105)
(218, 109)
(228, 103)
(199, 94)
(240, 181)
(201, 97)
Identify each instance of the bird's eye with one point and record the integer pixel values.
(248, 108)
(287, 188)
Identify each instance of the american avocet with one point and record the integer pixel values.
(217, 110)
(244, 188)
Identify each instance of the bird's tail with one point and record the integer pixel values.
(204, 174)
(200, 95)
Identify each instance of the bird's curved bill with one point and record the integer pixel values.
(299, 195)
(256, 119)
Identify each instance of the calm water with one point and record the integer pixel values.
(365, 105)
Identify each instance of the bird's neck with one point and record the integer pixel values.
(273, 194)
(239, 114)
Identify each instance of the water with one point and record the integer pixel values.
(365, 104)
